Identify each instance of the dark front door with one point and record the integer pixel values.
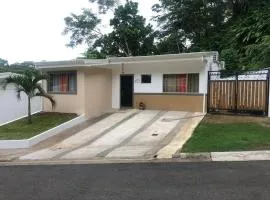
(126, 90)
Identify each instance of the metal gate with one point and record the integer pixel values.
(241, 92)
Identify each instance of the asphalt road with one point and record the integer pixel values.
(164, 181)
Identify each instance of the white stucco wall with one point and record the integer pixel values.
(11, 108)
(156, 69)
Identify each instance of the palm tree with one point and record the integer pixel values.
(28, 81)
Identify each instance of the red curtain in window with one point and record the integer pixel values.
(182, 82)
(64, 83)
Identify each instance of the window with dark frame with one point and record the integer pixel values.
(182, 83)
(62, 82)
(146, 78)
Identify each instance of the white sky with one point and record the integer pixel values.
(31, 29)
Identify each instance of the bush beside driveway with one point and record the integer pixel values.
(219, 133)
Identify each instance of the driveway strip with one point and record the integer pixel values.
(83, 137)
(152, 137)
(114, 137)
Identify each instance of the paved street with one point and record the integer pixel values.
(198, 181)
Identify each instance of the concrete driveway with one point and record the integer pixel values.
(129, 134)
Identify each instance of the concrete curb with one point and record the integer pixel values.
(20, 144)
(225, 156)
(194, 156)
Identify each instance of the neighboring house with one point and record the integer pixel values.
(166, 82)
(10, 107)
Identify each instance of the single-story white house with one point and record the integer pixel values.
(165, 82)
(10, 107)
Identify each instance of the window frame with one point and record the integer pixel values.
(146, 75)
(58, 73)
(187, 81)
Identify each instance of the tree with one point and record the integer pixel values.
(196, 20)
(231, 59)
(105, 5)
(93, 54)
(249, 36)
(29, 83)
(84, 28)
(239, 29)
(130, 35)
(169, 44)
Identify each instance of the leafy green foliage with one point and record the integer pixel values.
(83, 28)
(170, 44)
(93, 54)
(231, 58)
(249, 36)
(130, 36)
(239, 29)
(105, 5)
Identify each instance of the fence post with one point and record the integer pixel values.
(208, 91)
(236, 91)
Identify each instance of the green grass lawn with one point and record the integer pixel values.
(20, 129)
(229, 133)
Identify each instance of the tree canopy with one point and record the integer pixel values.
(130, 35)
(238, 29)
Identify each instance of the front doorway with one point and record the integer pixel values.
(126, 90)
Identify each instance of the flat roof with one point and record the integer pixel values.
(119, 60)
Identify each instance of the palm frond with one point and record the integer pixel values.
(41, 92)
(13, 79)
(18, 91)
(39, 77)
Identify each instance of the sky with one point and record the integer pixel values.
(31, 30)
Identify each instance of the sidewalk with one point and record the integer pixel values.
(225, 156)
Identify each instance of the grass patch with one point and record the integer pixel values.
(20, 129)
(229, 133)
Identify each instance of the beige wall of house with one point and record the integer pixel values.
(93, 97)
(180, 102)
(68, 103)
(98, 91)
